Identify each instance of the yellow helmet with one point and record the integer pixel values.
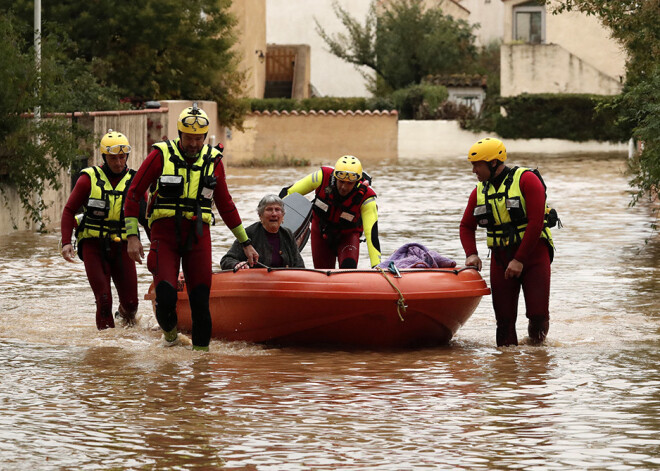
(193, 120)
(348, 168)
(487, 149)
(115, 143)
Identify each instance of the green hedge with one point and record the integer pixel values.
(415, 102)
(576, 117)
(321, 104)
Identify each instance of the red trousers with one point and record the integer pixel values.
(535, 283)
(327, 250)
(104, 265)
(166, 255)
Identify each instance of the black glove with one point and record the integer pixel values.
(284, 191)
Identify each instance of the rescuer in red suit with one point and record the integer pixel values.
(510, 203)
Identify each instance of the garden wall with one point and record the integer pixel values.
(321, 137)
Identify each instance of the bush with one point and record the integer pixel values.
(576, 117)
(419, 101)
(321, 104)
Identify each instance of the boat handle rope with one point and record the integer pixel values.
(401, 302)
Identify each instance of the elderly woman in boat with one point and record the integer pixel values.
(275, 244)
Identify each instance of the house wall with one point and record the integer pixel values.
(489, 15)
(452, 8)
(585, 37)
(549, 68)
(446, 140)
(578, 56)
(251, 31)
(292, 22)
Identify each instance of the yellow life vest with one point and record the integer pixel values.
(103, 213)
(183, 191)
(503, 211)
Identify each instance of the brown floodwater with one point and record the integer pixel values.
(75, 398)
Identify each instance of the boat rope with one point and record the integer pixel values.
(401, 302)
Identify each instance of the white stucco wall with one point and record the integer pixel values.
(549, 68)
(585, 37)
(490, 17)
(582, 35)
(292, 22)
(445, 139)
(577, 56)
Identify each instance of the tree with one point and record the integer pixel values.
(154, 49)
(33, 153)
(635, 24)
(402, 42)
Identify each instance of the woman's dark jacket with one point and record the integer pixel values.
(256, 232)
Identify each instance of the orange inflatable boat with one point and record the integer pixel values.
(358, 308)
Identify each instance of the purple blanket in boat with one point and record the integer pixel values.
(415, 255)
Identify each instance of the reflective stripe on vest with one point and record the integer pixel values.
(332, 209)
(194, 196)
(106, 200)
(507, 218)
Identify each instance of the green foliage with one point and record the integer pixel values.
(423, 101)
(153, 49)
(419, 101)
(641, 105)
(488, 64)
(634, 23)
(403, 42)
(321, 104)
(33, 153)
(575, 117)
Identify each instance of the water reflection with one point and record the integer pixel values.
(74, 397)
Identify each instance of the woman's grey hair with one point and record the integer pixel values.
(268, 200)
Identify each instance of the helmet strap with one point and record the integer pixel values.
(493, 168)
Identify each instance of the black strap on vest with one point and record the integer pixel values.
(359, 193)
(194, 205)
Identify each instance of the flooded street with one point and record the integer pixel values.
(75, 398)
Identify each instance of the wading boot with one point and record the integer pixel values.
(537, 330)
(127, 318)
(505, 334)
(170, 338)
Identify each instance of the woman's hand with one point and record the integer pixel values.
(251, 254)
(241, 266)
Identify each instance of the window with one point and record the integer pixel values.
(529, 23)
